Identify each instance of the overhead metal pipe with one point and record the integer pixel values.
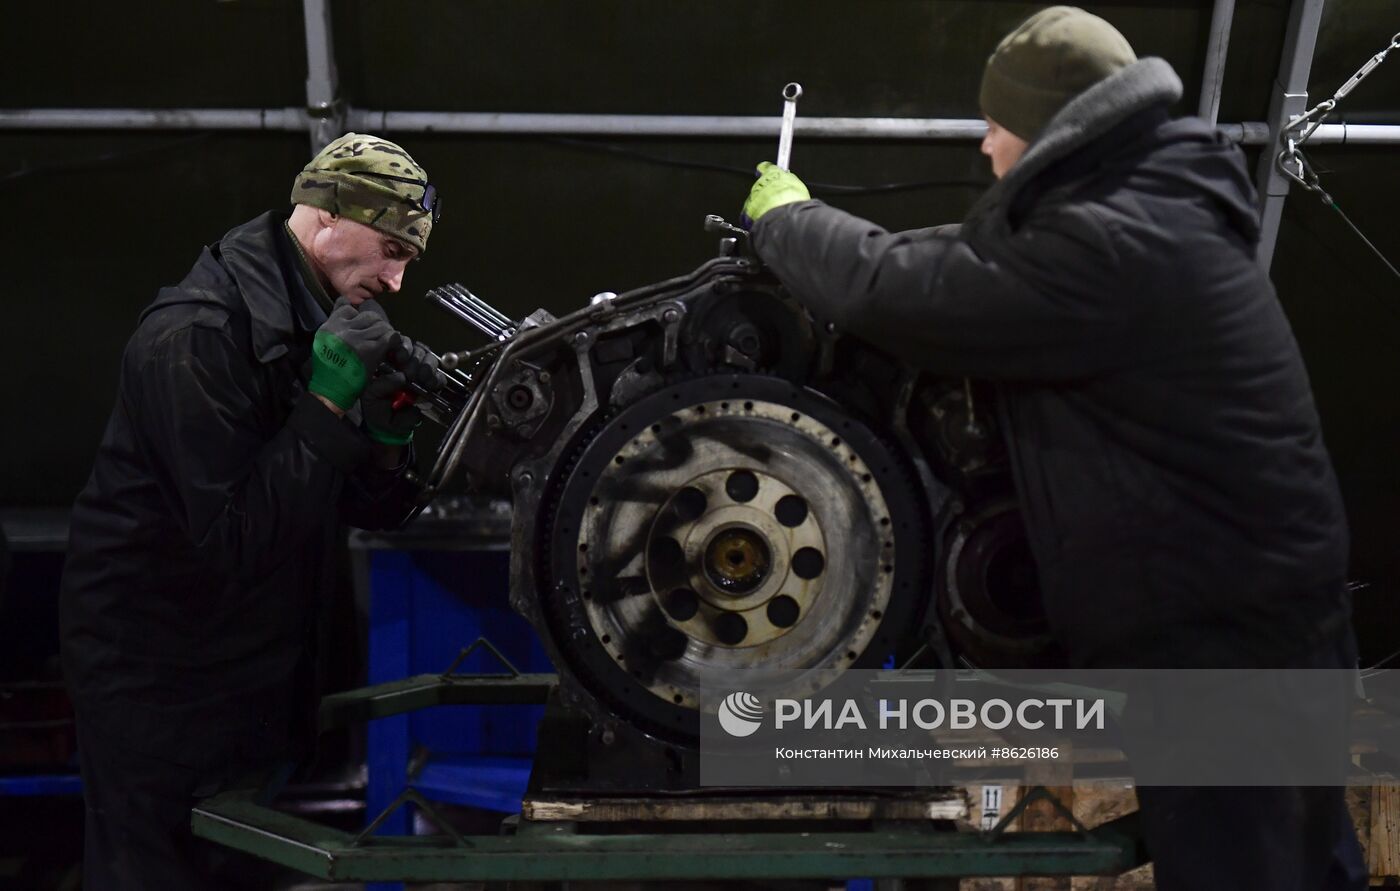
(664, 125)
(1217, 48)
(525, 124)
(295, 119)
(153, 119)
(1356, 134)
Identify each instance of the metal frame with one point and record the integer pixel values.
(1217, 46)
(560, 851)
(1290, 98)
(323, 107)
(556, 852)
(326, 116)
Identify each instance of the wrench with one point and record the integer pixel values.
(791, 93)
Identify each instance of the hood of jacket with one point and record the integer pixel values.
(1122, 120)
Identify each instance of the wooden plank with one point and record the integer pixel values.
(1385, 834)
(939, 805)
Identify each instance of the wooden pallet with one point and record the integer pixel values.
(934, 804)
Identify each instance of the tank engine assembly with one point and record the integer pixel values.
(706, 478)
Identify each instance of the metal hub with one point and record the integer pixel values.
(726, 561)
(724, 524)
(737, 560)
(988, 593)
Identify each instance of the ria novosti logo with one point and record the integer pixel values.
(740, 714)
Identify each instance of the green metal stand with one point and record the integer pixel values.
(541, 851)
(557, 853)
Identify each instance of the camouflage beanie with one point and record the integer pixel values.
(1052, 57)
(371, 181)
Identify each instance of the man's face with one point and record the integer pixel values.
(358, 261)
(1003, 147)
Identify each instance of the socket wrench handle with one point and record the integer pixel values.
(791, 93)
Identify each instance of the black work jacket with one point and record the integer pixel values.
(1167, 454)
(200, 548)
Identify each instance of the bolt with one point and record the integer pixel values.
(523, 430)
(581, 338)
(671, 316)
(608, 737)
(493, 421)
(524, 478)
(544, 377)
(520, 397)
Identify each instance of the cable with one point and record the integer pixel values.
(748, 172)
(1368, 670)
(1375, 250)
(103, 159)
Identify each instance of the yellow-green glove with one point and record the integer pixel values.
(773, 188)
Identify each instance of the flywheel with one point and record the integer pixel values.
(722, 523)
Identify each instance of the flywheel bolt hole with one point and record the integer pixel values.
(742, 486)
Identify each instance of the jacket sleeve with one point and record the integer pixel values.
(380, 498)
(247, 502)
(1046, 302)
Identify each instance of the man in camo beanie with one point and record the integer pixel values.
(262, 394)
(374, 182)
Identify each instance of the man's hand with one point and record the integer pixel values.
(347, 347)
(418, 364)
(773, 188)
(386, 425)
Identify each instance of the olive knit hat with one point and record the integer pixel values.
(371, 181)
(1052, 57)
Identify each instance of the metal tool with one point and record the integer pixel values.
(791, 93)
(716, 223)
(476, 312)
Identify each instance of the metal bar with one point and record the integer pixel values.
(294, 119)
(462, 314)
(467, 300)
(462, 292)
(1356, 134)
(153, 119)
(236, 821)
(474, 316)
(427, 690)
(325, 116)
(1217, 48)
(666, 125)
(1290, 98)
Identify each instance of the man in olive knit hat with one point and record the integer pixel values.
(252, 423)
(1168, 460)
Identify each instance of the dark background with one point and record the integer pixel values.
(95, 222)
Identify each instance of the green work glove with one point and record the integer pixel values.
(386, 424)
(773, 188)
(348, 346)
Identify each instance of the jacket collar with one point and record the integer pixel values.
(1084, 119)
(260, 259)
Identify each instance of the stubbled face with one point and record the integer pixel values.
(1003, 147)
(357, 261)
